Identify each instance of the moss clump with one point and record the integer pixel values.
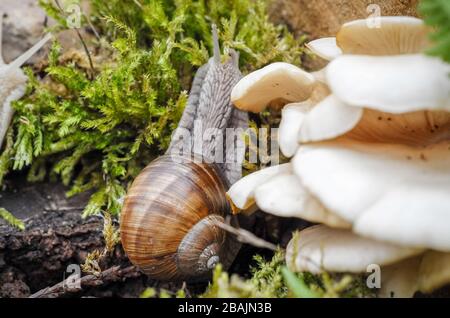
(96, 127)
(272, 279)
(11, 220)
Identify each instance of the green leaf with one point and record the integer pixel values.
(436, 14)
(11, 219)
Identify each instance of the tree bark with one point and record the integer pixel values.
(321, 18)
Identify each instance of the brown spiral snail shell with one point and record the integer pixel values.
(168, 225)
(169, 218)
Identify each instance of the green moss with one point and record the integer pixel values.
(95, 129)
(437, 15)
(11, 219)
(272, 279)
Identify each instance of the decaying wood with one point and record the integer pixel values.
(74, 283)
(38, 257)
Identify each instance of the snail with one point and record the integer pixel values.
(169, 217)
(13, 82)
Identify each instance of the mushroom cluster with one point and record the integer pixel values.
(369, 137)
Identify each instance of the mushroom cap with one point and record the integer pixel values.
(415, 214)
(325, 48)
(283, 195)
(394, 84)
(278, 82)
(242, 193)
(320, 248)
(332, 118)
(328, 119)
(404, 270)
(389, 192)
(419, 128)
(292, 117)
(393, 35)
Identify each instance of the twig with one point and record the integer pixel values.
(74, 284)
(245, 236)
(82, 41)
(97, 35)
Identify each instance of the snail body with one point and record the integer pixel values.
(170, 214)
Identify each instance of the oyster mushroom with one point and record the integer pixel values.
(326, 48)
(320, 249)
(372, 154)
(393, 35)
(241, 193)
(264, 189)
(13, 82)
(416, 82)
(403, 270)
(274, 85)
(416, 112)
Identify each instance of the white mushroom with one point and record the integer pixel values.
(372, 156)
(392, 35)
(292, 117)
(419, 128)
(12, 82)
(284, 195)
(326, 48)
(389, 192)
(328, 119)
(295, 116)
(276, 84)
(242, 193)
(395, 84)
(323, 249)
(404, 271)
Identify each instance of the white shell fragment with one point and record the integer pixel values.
(319, 248)
(326, 48)
(278, 83)
(394, 84)
(383, 36)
